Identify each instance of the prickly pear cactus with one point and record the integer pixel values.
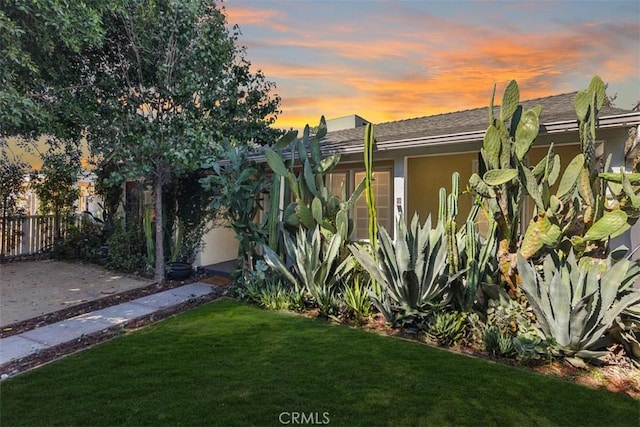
(578, 216)
(313, 204)
(501, 189)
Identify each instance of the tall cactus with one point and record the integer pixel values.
(576, 217)
(274, 216)
(368, 182)
(313, 204)
(506, 143)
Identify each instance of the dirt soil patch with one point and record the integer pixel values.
(30, 289)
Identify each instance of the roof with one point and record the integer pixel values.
(557, 115)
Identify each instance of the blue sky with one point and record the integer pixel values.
(390, 60)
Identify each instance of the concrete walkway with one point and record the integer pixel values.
(19, 346)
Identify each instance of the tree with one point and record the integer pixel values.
(39, 46)
(12, 178)
(55, 185)
(170, 82)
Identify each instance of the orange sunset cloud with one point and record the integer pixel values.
(391, 61)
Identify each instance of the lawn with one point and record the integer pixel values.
(232, 364)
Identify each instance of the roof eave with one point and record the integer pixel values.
(613, 121)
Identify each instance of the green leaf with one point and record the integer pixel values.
(497, 177)
(316, 154)
(322, 128)
(316, 210)
(309, 178)
(526, 133)
(609, 224)
(306, 217)
(597, 88)
(510, 100)
(532, 187)
(555, 170)
(632, 177)
(285, 140)
(581, 104)
(480, 187)
(570, 176)
(491, 145)
(275, 162)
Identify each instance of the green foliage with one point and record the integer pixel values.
(497, 342)
(626, 331)
(167, 85)
(369, 141)
(316, 265)
(313, 205)
(83, 241)
(528, 347)
(269, 289)
(511, 315)
(270, 294)
(411, 271)
(40, 42)
(448, 328)
(12, 180)
(576, 303)
(55, 185)
(189, 215)
(506, 143)
(236, 188)
(127, 248)
(326, 298)
(356, 296)
(471, 259)
(576, 217)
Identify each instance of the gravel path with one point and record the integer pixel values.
(32, 288)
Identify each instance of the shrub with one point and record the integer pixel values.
(83, 241)
(127, 248)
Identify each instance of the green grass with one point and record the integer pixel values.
(232, 364)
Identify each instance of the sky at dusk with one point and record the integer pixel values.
(391, 60)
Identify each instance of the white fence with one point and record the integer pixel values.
(27, 235)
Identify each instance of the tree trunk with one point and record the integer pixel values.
(158, 275)
(3, 234)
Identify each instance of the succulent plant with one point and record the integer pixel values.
(506, 143)
(470, 258)
(315, 260)
(577, 217)
(448, 327)
(411, 271)
(313, 205)
(576, 304)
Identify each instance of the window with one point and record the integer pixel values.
(383, 193)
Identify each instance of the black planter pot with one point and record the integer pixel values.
(178, 270)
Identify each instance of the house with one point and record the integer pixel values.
(414, 158)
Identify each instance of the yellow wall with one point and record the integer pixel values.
(425, 177)
(220, 244)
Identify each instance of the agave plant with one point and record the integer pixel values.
(576, 304)
(412, 271)
(314, 260)
(356, 295)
